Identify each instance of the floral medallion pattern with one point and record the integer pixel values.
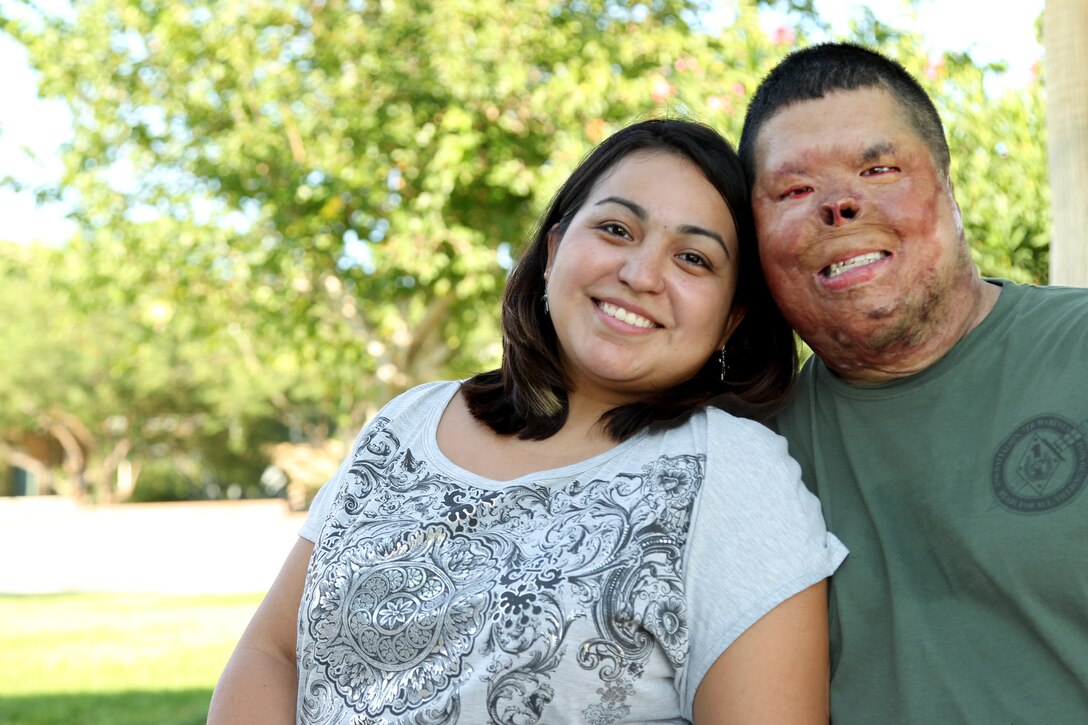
(420, 584)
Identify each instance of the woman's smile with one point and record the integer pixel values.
(626, 316)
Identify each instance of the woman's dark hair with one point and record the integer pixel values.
(527, 396)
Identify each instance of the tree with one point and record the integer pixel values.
(291, 211)
(323, 197)
(1065, 24)
(86, 385)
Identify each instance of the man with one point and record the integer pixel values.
(943, 419)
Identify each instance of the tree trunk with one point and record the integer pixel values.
(75, 460)
(1065, 27)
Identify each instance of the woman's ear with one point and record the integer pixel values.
(732, 322)
(554, 237)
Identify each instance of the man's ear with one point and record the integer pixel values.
(732, 322)
(554, 237)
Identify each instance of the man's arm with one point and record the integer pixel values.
(776, 672)
(260, 681)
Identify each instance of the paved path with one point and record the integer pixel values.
(51, 545)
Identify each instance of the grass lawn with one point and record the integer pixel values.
(115, 659)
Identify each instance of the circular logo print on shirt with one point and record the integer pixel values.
(1041, 466)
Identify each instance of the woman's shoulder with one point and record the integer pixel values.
(407, 411)
(753, 485)
(740, 433)
(731, 447)
(746, 460)
(431, 392)
(430, 388)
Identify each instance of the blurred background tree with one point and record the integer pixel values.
(291, 211)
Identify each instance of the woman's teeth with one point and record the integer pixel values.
(625, 315)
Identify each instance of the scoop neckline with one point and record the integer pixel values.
(441, 461)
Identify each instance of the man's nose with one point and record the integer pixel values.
(839, 211)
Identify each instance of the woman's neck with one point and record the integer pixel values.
(472, 445)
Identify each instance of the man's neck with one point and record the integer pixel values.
(858, 364)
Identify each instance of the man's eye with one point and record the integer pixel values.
(796, 192)
(878, 170)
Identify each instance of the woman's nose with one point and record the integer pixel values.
(643, 268)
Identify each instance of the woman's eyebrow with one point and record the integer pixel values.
(638, 211)
(635, 208)
(692, 229)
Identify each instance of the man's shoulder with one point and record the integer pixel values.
(1032, 313)
(1035, 296)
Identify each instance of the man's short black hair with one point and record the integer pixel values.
(814, 72)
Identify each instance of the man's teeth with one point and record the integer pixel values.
(625, 315)
(838, 268)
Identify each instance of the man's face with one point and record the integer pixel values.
(859, 233)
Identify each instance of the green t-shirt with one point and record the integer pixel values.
(959, 492)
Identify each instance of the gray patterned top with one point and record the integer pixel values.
(596, 593)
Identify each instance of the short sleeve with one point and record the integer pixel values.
(758, 537)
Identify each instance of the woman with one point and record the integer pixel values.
(575, 537)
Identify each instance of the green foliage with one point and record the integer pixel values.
(1000, 171)
(100, 379)
(291, 211)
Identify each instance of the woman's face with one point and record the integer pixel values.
(641, 283)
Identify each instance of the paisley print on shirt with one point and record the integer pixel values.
(420, 582)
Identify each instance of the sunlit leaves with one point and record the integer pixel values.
(290, 211)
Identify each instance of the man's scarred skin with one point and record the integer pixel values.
(861, 237)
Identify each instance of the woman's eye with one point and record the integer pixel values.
(615, 230)
(694, 258)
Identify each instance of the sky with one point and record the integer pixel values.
(31, 130)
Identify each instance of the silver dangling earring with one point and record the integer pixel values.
(547, 310)
(724, 362)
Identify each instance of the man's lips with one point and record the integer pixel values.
(843, 266)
